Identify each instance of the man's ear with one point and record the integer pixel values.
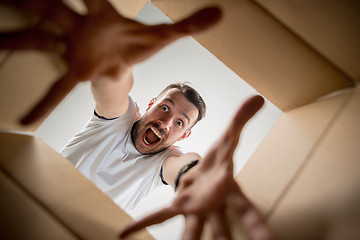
(185, 135)
(151, 103)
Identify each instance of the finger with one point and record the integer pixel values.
(197, 22)
(222, 152)
(54, 96)
(248, 109)
(62, 16)
(251, 220)
(255, 225)
(219, 225)
(193, 227)
(35, 39)
(155, 218)
(148, 40)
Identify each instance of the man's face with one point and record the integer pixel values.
(165, 122)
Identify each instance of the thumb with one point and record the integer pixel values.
(248, 109)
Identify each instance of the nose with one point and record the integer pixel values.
(166, 123)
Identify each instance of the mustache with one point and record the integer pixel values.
(158, 127)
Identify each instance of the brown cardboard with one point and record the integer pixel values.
(23, 218)
(3, 56)
(284, 150)
(24, 77)
(264, 52)
(331, 27)
(60, 189)
(323, 201)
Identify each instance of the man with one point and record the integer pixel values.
(103, 47)
(127, 155)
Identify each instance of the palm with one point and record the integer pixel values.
(97, 45)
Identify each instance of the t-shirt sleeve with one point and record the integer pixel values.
(173, 151)
(95, 131)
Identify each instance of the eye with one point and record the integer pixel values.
(165, 108)
(180, 123)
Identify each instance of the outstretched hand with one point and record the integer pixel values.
(99, 44)
(209, 189)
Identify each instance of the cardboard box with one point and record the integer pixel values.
(303, 57)
(304, 176)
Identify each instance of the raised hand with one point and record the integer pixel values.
(208, 190)
(101, 44)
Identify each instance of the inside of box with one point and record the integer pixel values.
(321, 71)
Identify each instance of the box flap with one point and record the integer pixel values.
(283, 152)
(264, 52)
(25, 77)
(331, 27)
(50, 179)
(20, 211)
(323, 201)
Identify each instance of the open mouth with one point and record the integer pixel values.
(152, 136)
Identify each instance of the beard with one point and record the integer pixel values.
(140, 137)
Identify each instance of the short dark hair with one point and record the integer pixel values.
(191, 95)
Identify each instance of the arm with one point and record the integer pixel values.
(101, 46)
(207, 192)
(173, 165)
(111, 97)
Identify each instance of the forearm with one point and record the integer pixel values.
(173, 167)
(111, 95)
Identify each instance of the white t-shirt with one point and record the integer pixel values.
(104, 152)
